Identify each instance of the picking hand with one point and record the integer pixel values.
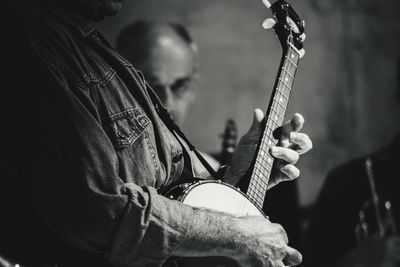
(262, 243)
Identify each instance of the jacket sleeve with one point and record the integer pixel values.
(68, 172)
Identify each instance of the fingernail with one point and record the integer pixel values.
(292, 135)
(274, 150)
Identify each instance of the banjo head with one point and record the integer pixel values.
(219, 196)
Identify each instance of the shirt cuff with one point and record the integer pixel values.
(151, 229)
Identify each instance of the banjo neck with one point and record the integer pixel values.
(264, 162)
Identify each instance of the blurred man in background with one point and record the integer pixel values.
(349, 227)
(168, 58)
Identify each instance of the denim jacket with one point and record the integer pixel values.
(87, 149)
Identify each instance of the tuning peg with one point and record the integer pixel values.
(268, 24)
(303, 37)
(267, 3)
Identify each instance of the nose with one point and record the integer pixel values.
(165, 94)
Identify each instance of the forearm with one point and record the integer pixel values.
(211, 234)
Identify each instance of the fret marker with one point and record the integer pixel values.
(262, 153)
(292, 55)
(276, 118)
(269, 143)
(269, 160)
(286, 79)
(281, 99)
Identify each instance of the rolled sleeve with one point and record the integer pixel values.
(152, 228)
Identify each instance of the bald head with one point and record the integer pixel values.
(142, 39)
(167, 56)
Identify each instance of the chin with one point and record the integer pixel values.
(109, 8)
(113, 8)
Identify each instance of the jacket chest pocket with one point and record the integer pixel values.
(125, 127)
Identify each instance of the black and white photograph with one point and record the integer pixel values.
(199, 133)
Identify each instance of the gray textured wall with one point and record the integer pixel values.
(344, 88)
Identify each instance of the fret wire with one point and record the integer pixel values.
(279, 108)
(286, 85)
(272, 121)
(279, 94)
(291, 67)
(275, 115)
(261, 186)
(278, 120)
(293, 63)
(269, 128)
(256, 196)
(266, 162)
(287, 71)
(262, 165)
(260, 204)
(256, 193)
(293, 53)
(282, 89)
(275, 107)
(287, 79)
(259, 171)
(261, 158)
(255, 174)
(259, 194)
(261, 177)
(269, 164)
(266, 169)
(280, 101)
(268, 156)
(286, 98)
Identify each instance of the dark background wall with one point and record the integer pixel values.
(345, 85)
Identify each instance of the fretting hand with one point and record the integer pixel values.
(291, 145)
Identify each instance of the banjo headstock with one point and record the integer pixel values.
(287, 25)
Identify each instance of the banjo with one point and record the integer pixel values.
(219, 196)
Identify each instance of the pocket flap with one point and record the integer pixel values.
(126, 126)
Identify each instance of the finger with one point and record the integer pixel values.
(294, 125)
(290, 171)
(293, 257)
(284, 234)
(286, 154)
(302, 141)
(258, 118)
(278, 264)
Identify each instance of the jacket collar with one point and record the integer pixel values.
(82, 25)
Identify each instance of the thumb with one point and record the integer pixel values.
(258, 118)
